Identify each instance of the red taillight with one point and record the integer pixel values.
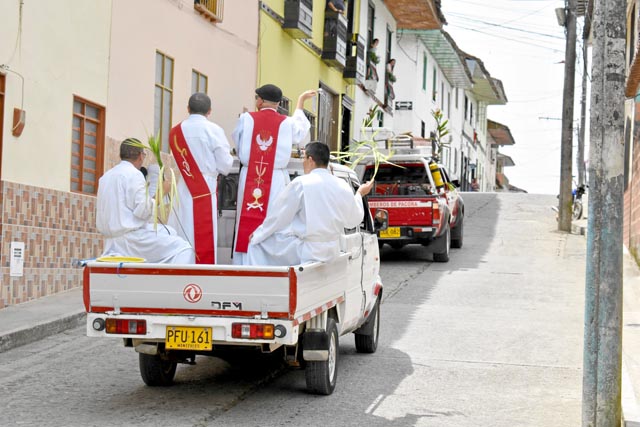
(436, 213)
(126, 326)
(252, 331)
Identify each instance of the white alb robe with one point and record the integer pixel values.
(307, 221)
(124, 210)
(211, 151)
(293, 130)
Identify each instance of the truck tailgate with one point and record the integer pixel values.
(404, 211)
(184, 290)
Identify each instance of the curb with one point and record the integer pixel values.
(19, 337)
(579, 229)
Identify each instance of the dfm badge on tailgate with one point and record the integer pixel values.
(192, 293)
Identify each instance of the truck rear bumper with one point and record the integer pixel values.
(156, 328)
(426, 236)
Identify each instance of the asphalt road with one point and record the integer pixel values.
(491, 338)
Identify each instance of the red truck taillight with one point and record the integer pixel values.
(126, 326)
(435, 210)
(252, 330)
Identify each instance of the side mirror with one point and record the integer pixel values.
(381, 220)
(456, 183)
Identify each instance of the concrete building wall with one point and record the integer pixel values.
(60, 49)
(51, 52)
(383, 20)
(225, 52)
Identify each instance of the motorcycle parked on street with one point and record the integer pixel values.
(576, 202)
(577, 194)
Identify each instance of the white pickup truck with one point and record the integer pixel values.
(171, 313)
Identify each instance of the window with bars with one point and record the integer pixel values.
(199, 82)
(163, 98)
(87, 146)
(284, 106)
(210, 9)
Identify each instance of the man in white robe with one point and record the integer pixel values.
(124, 212)
(309, 216)
(290, 130)
(211, 152)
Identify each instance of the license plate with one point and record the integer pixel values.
(390, 232)
(188, 338)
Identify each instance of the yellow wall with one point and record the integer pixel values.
(289, 63)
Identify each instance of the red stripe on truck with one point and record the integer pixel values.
(183, 311)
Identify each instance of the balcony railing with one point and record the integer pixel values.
(355, 67)
(334, 48)
(298, 18)
(210, 9)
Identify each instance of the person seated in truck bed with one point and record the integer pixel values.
(309, 216)
(124, 209)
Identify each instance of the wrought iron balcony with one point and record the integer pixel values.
(334, 49)
(355, 66)
(210, 9)
(298, 16)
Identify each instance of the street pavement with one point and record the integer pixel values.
(32, 321)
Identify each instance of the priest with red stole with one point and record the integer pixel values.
(201, 151)
(264, 140)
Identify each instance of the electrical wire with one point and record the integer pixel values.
(491, 24)
(502, 37)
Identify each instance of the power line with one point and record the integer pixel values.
(508, 38)
(508, 28)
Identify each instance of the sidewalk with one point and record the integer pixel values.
(31, 321)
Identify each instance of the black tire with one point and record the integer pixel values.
(321, 376)
(444, 256)
(577, 209)
(456, 235)
(155, 371)
(368, 343)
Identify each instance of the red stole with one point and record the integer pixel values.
(202, 210)
(257, 187)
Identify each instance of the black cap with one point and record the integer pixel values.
(269, 92)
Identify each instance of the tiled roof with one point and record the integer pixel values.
(500, 133)
(417, 14)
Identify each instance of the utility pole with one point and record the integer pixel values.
(583, 106)
(566, 158)
(602, 363)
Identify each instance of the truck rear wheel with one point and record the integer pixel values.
(444, 256)
(456, 235)
(156, 371)
(321, 375)
(367, 341)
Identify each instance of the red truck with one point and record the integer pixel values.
(423, 205)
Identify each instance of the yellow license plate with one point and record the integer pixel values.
(390, 232)
(188, 338)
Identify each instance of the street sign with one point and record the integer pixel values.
(404, 105)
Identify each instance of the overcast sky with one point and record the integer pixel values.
(521, 44)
